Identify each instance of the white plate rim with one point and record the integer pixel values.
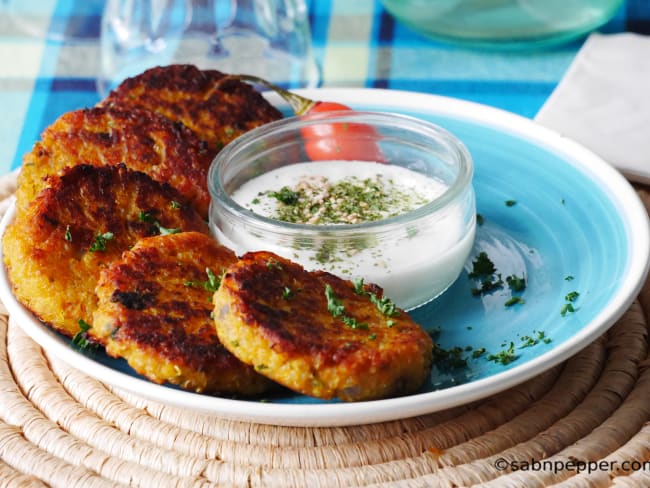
(343, 414)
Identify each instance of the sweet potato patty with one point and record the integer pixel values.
(216, 113)
(145, 141)
(318, 334)
(81, 223)
(155, 310)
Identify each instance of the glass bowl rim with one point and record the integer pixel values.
(462, 181)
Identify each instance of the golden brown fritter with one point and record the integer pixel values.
(82, 222)
(318, 334)
(145, 141)
(217, 113)
(155, 310)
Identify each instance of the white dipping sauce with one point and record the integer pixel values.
(413, 263)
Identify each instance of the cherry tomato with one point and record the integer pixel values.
(327, 141)
(339, 140)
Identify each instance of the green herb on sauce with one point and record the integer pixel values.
(68, 235)
(351, 200)
(286, 195)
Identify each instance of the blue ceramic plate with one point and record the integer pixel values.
(552, 213)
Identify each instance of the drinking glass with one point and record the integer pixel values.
(266, 38)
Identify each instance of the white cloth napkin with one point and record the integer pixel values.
(603, 102)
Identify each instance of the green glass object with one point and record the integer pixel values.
(503, 24)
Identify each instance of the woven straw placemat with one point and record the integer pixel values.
(584, 423)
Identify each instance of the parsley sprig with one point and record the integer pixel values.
(150, 219)
(384, 304)
(99, 244)
(337, 309)
(213, 282)
(80, 340)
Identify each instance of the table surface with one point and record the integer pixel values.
(356, 44)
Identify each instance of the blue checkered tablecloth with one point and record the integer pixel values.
(356, 44)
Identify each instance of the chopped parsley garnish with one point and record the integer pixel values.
(212, 284)
(273, 264)
(99, 244)
(80, 339)
(68, 234)
(353, 323)
(287, 293)
(286, 195)
(336, 308)
(572, 296)
(334, 305)
(372, 336)
(482, 266)
(448, 359)
(510, 203)
(480, 219)
(528, 341)
(567, 308)
(385, 305)
(568, 278)
(506, 356)
(515, 283)
(175, 204)
(488, 284)
(351, 200)
(358, 286)
(513, 300)
(150, 219)
(477, 353)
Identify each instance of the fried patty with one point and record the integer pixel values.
(78, 225)
(318, 334)
(143, 140)
(155, 310)
(217, 113)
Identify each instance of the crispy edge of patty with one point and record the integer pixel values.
(217, 113)
(273, 314)
(155, 310)
(47, 249)
(143, 140)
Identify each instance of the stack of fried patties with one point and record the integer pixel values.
(110, 245)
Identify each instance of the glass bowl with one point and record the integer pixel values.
(503, 24)
(406, 223)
